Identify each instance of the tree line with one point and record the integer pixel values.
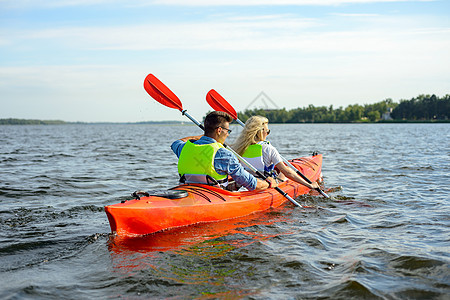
(12, 121)
(424, 108)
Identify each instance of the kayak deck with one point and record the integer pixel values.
(203, 204)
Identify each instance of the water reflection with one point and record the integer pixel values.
(209, 240)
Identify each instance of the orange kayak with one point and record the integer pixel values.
(202, 203)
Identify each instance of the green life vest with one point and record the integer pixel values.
(196, 163)
(253, 155)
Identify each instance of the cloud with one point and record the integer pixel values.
(355, 15)
(271, 2)
(68, 3)
(243, 33)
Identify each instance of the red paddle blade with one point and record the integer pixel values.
(161, 93)
(217, 102)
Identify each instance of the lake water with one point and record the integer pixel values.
(384, 235)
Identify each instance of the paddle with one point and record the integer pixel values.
(217, 102)
(161, 93)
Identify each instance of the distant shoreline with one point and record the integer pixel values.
(12, 121)
(421, 109)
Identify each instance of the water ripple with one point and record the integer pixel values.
(383, 235)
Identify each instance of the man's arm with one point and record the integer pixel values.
(226, 163)
(188, 138)
(178, 145)
(264, 184)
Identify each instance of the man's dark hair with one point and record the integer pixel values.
(216, 119)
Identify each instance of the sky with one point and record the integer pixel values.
(86, 60)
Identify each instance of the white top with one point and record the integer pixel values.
(270, 154)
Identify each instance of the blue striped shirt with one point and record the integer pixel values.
(224, 162)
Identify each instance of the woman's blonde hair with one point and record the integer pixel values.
(251, 134)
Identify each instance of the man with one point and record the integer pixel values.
(205, 160)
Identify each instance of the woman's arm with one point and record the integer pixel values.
(291, 174)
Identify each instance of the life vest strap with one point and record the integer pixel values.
(202, 179)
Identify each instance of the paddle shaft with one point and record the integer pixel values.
(243, 161)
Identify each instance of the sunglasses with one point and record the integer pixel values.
(228, 130)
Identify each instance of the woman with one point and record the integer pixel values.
(252, 145)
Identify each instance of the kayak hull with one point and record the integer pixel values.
(203, 204)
